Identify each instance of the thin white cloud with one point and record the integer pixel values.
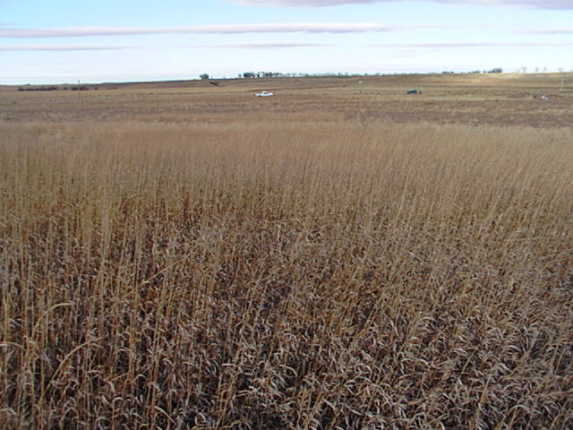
(207, 29)
(551, 31)
(475, 45)
(24, 48)
(268, 45)
(545, 4)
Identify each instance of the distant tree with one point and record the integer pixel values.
(272, 75)
(249, 75)
(204, 76)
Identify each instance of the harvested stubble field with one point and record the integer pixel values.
(198, 258)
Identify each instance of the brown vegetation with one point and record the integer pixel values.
(292, 274)
(477, 100)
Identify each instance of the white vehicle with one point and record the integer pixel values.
(264, 94)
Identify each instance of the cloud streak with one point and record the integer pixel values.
(269, 45)
(207, 29)
(36, 48)
(475, 45)
(544, 4)
(551, 31)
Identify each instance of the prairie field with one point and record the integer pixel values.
(340, 256)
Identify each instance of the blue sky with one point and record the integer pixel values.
(61, 41)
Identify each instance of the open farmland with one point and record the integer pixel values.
(340, 256)
(500, 100)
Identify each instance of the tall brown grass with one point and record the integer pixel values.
(285, 276)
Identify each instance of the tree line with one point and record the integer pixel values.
(269, 75)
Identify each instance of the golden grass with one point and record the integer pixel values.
(298, 275)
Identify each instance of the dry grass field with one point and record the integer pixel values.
(340, 256)
(478, 100)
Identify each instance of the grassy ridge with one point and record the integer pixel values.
(287, 275)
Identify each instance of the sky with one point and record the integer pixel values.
(66, 41)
